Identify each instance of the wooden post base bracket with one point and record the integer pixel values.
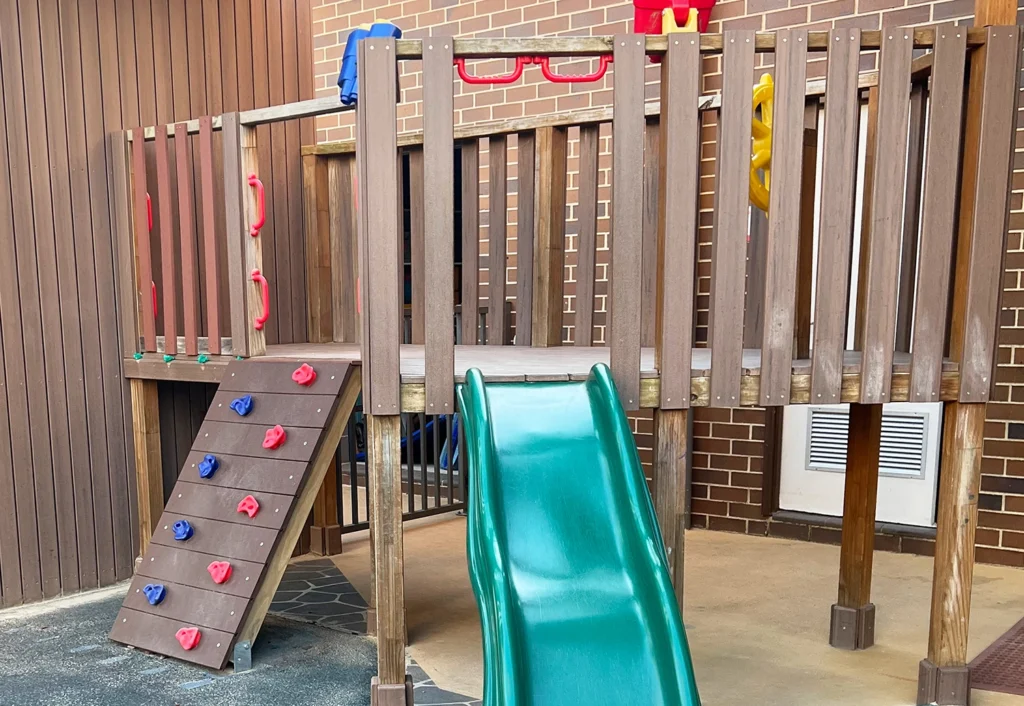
(325, 541)
(852, 628)
(221, 546)
(945, 686)
(391, 694)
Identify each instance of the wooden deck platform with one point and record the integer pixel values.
(522, 363)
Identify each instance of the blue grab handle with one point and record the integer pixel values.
(182, 530)
(208, 466)
(155, 593)
(242, 405)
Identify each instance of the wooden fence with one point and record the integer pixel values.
(72, 73)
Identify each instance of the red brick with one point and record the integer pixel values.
(729, 493)
(826, 535)
(750, 480)
(989, 537)
(709, 507)
(731, 431)
(756, 7)
(699, 490)
(914, 545)
(726, 524)
(749, 512)
(1013, 503)
(887, 543)
(785, 18)
(712, 414)
(710, 477)
(833, 9)
(988, 555)
(1001, 520)
(719, 446)
(788, 531)
(756, 527)
(748, 448)
(746, 416)
(729, 462)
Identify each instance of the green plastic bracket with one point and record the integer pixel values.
(168, 357)
(137, 356)
(203, 359)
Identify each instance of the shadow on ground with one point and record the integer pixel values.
(63, 656)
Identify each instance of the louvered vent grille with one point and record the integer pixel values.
(903, 442)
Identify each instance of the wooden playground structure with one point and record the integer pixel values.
(936, 191)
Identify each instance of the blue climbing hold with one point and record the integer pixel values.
(155, 593)
(348, 81)
(208, 466)
(182, 530)
(242, 405)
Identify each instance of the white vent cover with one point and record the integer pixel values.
(904, 439)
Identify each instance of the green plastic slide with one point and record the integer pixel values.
(565, 554)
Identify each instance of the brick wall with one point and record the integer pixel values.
(729, 445)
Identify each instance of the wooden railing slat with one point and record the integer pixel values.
(842, 109)
(805, 254)
(784, 215)
(169, 279)
(209, 234)
(497, 243)
(649, 277)
(526, 163)
(890, 164)
(470, 241)
(186, 239)
(627, 216)
(439, 224)
(677, 220)
(417, 186)
(381, 245)
(911, 215)
(938, 215)
(586, 238)
(142, 245)
(980, 323)
(729, 247)
(552, 145)
(344, 249)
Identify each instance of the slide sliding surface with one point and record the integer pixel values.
(565, 555)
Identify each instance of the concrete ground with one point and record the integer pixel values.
(57, 653)
(756, 614)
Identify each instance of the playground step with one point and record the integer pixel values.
(245, 500)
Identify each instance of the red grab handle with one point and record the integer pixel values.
(262, 318)
(149, 210)
(261, 206)
(545, 68)
(153, 286)
(521, 62)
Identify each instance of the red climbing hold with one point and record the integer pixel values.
(249, 506)
(304, 375)
(274, 437)
(220, 571)
(188, 638)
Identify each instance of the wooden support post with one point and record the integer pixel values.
(384, 435)
(943, 676)
(549, 235)
(316, 222)
(853, 615)
(670, 457)
(325, 534)
(148, 464)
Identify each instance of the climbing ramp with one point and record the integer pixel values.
(225, 537)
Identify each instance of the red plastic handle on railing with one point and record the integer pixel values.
(521, 62)
(153, 285)
(261, 206)
(149, 210)
(545, 68)
(262, 318)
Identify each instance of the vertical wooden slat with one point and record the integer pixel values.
(842, 108)
(146, 423)
(867, 191)
(976, 303)
(166, 235)
(439, 224)
(497, 198)
(549, 248)
(890, 166)
(275, 179)
(784, 216)
(728, 249)
(210, 237)
(380, 246)
(627, 216)
(911, 215)
(677, 223)
(293, 169)
(805, 255)
(187, 243)
(649, 278)
(344, 249)
(315, 198)
(470, 242)
(244, 251)
(938, 214)
(586, 239)
(122, 213)
(417, 254)
(526, 164)
(145, 258)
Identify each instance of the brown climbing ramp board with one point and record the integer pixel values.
(284, 481)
